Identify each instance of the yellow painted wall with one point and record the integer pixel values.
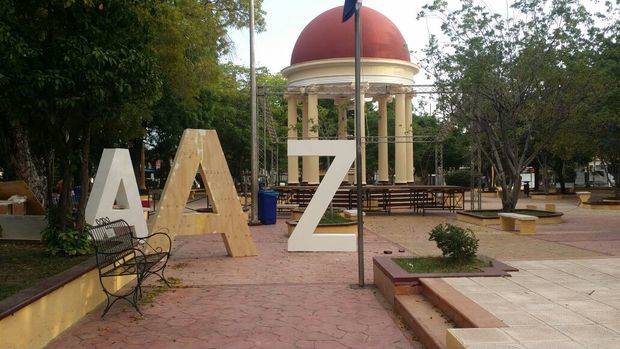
(35, 325)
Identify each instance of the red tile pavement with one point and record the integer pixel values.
(275, 300)
(610, 247)
(588, 232)
(579, 222)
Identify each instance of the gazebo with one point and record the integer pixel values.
(322, 67)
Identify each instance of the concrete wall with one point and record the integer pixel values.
(22, 227)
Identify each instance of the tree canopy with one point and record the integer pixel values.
(514, 82)
(80, 75)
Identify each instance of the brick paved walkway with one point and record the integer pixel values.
(304, 300)
(585, 233)
(275, 300)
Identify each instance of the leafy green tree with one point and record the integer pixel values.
(80, 75)
(513, 81)
(453, 140)
(87, 68)
(603, 115)
(189, 39)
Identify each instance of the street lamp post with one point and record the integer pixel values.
(254, 210)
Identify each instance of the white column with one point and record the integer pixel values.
(293, 161)
(400, 161)
(305, 160)
(313, 133)
(363, 116)
(409, 133)
(383, 142)
(343, 133)
(363, 135)
(342, 105)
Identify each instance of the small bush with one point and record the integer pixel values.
(70, 242)
(455, 242)
(333, 218)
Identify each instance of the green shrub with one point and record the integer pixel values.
(461, 178)
(333, 218)
(455, 242)
(70, 242)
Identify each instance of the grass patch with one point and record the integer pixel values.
(333, 218)
(440, 265)
(23, 264)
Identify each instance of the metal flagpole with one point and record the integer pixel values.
(358, 144)
(254, 211)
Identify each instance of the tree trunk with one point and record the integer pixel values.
(65, 204)
(561, 179)
(23, 164)
(510, 193)
(617, 179)
(84, 177)
(136, 152)
(49, 174)
(545, 177)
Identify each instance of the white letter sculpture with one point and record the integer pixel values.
(303, 237)
(116, 183)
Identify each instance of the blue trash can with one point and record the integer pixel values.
(267, 206)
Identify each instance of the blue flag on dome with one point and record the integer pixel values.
(348, 10)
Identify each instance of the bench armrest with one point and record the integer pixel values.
(158, 249)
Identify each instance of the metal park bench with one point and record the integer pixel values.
(120, 253)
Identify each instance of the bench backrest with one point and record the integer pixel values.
(112, 241)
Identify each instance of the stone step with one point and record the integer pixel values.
(464, 312)
(427, 322)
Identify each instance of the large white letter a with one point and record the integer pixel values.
(115, 185)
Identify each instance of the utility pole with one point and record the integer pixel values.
(358, 144)
(254, 211)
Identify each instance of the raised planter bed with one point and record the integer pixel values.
(551, 196)
(390, 277)
(424, 301)
(296, 213)
(34, 316)
(605, 204)
(489, 217)
(330, 228)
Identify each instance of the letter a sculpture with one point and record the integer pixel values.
(200, 151)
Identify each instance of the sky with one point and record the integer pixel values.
(287, 18)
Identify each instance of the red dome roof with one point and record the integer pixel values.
(327, 37)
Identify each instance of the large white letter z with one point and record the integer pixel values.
(303, 237)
